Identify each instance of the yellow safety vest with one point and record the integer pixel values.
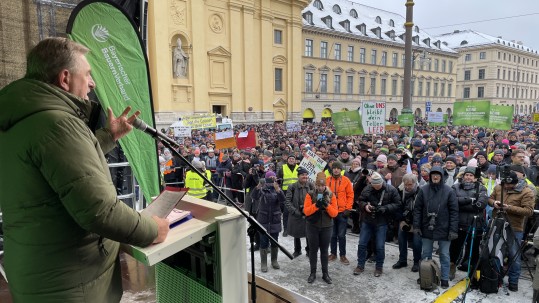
(289, 177)
(329, 174)
(195, 183)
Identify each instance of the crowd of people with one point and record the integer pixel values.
(419, 188)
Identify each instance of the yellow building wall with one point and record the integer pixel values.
(231, 58)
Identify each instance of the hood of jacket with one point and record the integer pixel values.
(25, 97)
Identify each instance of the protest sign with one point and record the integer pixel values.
(373, 117)
(470, 113)
(293, 126)
(406, 120)
(501, 117)
(313, 164)
(347, 123)
(199, 122)
(182, 131)
(435, 117)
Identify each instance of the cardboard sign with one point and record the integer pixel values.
(373, 116)
(313, 164)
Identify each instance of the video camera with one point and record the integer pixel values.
(504, 173)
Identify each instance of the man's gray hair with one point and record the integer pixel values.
(50, 56)
(410, 178)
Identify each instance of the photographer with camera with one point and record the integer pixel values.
(294, 202)
(320, 208)
(518, 204)
(472, 199)
(408, 192)
(436, 215)
(378, 201)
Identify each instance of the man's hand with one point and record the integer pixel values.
(388, 176)
(163, 226)
(452, 236)
(346, 213)
(121, 125)
(497, 204)
(368, 208)
(418, 232)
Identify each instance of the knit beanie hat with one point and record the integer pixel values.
(321, 178)
(376, 179)
(382, 158)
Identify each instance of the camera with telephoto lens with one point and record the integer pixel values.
(504, 173)
(432, 221)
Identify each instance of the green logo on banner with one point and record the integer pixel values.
(482, 113)
(347, 123)
(120, 72)
(406, 119)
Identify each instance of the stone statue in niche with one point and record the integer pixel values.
(179, 61)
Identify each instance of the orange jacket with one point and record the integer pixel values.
(310, 208)
(343, 191)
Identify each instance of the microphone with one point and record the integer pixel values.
(142, 126)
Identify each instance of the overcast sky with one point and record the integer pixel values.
(433, 13)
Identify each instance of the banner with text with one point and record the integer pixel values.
(199, 122)
(120, 69)
(347, 123)
(406, 120)
(436, 117)
(501, 117)
(471, 113)
(293, 126)
(182, 131)
(443, 123)
(313, 164)
(374, 117)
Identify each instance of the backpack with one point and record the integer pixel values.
(429, 274)
(489, 280)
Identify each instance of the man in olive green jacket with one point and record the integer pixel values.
(62, 219)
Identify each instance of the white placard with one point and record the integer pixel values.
(435, 117)
(373, 117)
(182, 131)
(293, 126)
(224, 135)
(313, 164)
(243, 134)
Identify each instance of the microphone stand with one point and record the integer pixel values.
(254, 226)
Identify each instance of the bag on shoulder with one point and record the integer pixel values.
(429, 274)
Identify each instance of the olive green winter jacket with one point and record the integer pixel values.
(58, 200)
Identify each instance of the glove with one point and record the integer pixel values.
(320, 204)
(297, 213)
(418, 232)
(346, 213)
(382, 209)
(452, 236)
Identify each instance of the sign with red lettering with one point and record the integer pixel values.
(373, 114)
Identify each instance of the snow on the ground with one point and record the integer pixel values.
(393, 286)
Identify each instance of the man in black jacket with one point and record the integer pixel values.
(436, 218)
(378, 201)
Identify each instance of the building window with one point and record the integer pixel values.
(403, 60)
(498, 77)
(443, 66)
(308, 47)
(482, 55)
(362, 86)
(427, 89)
(391, 23)
(480, 92)
(435, 89)
(278, 79)
(309, 82)
(383, 85)
(442, 89)
(468, 57)
(436, 62)
(373, 56)
(402, 87)
(394, 87)
(346, 25)
(336, 9)
(482, 73)
(323, 49)
(412, 87)
(503, 91)
(420, 88)
(395, 60)
(499, 55)
(467, 75)
(278, 36)
(353, 13)
(350, 53)
(323, 83)
(466, 93)
(308, 17)
(449, 89)
(373, 86)
(328, 21)
(337, 84)
(497, 89)
(362, 28)
(384, 58)
(337, 51)
(503, 74)
(361, 55)
(378, 20)
(318, 4)
(450, 67)
(350, 85)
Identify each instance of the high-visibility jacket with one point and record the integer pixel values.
(289, 176)
(343, 190)
(328, 174)
(169, 167)
(195, 183)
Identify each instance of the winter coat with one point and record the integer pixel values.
(342, 190)
(320, 217)
(269, 207)
(371, 196)
(469, 208)
(353, 176)
(438, 199)
(396, 174)
(406, 209)
(521, 200)
(62, 219)
(295, 197)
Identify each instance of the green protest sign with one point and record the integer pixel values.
(406, 119)
(501, 117)
(347, 123)
(470, 113)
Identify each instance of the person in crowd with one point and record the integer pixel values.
(450, 170)
(354, 174)
(377, 201)
(518, 204)
(341, 187)
(289, 174)
(256, 173)
(61, 238)
(294, 203)
(482, 161)
(392, 172)
(407, 193)
(320, 207)
(436, 215)
(195, 183)
(345, 158)
(270, 197)
(472, 199)
(240, 170)
(212, 161)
